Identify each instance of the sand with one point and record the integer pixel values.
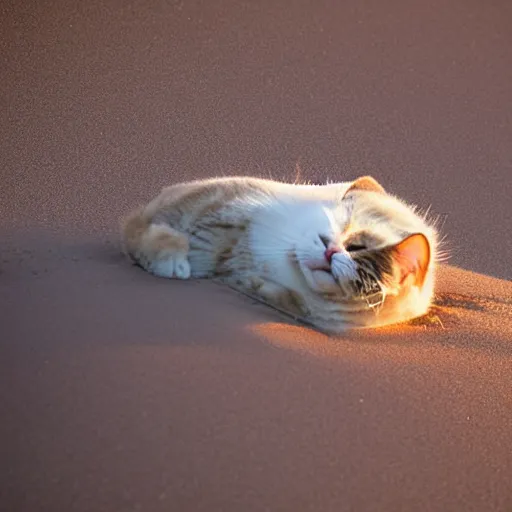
(120, 391)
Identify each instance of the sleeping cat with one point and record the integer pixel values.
(335, 256)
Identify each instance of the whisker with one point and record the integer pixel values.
(442, 257)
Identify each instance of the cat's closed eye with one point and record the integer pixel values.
(355, 247)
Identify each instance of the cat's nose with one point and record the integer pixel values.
(331, 250)
(330, 247)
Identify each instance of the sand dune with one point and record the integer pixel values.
(120, 391)
(120, 387)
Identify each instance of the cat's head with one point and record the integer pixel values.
(368, 257)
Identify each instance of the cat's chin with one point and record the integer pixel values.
(325, 281)
(318, 265)
(321, 274)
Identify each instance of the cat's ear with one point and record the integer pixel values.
(412, 256)
(366, 183)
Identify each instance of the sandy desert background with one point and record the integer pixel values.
(122, 392)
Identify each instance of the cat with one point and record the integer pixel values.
(334, 256)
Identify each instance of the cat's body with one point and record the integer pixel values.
(336, 256)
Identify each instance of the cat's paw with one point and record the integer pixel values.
(175, 266)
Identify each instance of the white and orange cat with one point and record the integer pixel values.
(335, 256)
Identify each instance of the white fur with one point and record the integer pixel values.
(279, 232)
(343, 267)
(285, 244)
(175, 266)
(282, 231)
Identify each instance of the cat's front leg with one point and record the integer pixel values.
(157, 248)
(172, 266)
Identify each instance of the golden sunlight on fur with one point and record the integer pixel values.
(334, 256)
